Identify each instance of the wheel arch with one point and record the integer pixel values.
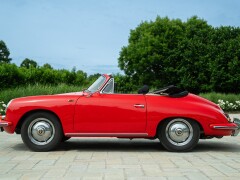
(187, 118)
(20, 122)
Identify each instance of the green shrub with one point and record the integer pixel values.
(2, 107)
(228, 102)
(10, 76)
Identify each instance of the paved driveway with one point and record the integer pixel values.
(111, 158)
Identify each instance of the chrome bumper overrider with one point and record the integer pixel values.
(3, 123)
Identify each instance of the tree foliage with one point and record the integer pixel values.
(13, 76)
(28, 63)
(190, 54)
(4, 53)
(47, 66)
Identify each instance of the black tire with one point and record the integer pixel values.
(41, 132)
(179, 134)
(65, 138)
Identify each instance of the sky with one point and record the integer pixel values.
(89, 34)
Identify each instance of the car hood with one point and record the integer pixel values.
(40, 98)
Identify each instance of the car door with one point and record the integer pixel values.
(110, 113)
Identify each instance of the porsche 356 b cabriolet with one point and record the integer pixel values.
(177, 118)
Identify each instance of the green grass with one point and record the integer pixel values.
(32, 90)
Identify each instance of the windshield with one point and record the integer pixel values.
(97, 84)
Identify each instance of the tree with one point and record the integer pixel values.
(194, 51)
(150, 56)
(225, 75)
(4, 53)
(47, 66)
(28, 63)
(192, 54)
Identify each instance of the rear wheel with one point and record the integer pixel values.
(41, 131)
(179, 134)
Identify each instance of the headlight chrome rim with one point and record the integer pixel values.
(8, 105)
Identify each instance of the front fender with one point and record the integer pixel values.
(58, 105)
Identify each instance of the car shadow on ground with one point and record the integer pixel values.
(125, 145)
(113, 145)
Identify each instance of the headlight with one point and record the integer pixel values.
(7, 105)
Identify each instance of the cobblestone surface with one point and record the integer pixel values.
(117, 159)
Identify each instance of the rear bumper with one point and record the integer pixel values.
(3, 123)
(234, 127)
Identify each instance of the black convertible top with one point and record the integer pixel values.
(171, 91)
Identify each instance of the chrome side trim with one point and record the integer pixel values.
(225, 127)
(106, 134)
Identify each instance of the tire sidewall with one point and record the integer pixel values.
(187, 147)
(57, 136)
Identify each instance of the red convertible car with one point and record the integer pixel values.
(179, 119)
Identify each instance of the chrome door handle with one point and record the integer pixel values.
(138, 105)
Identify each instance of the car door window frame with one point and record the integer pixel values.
(108, 83)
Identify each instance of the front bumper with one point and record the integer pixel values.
(234, 127)
(3, 123)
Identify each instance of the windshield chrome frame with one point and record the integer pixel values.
(110, 79)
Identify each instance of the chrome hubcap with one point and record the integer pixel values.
(179, 132)
(41, 131)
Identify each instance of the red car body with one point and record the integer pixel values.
(99, 114)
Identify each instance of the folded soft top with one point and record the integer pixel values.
(171, 91)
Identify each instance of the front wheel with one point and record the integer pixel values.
(65, 138)
(179, 134)
(41, 131)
